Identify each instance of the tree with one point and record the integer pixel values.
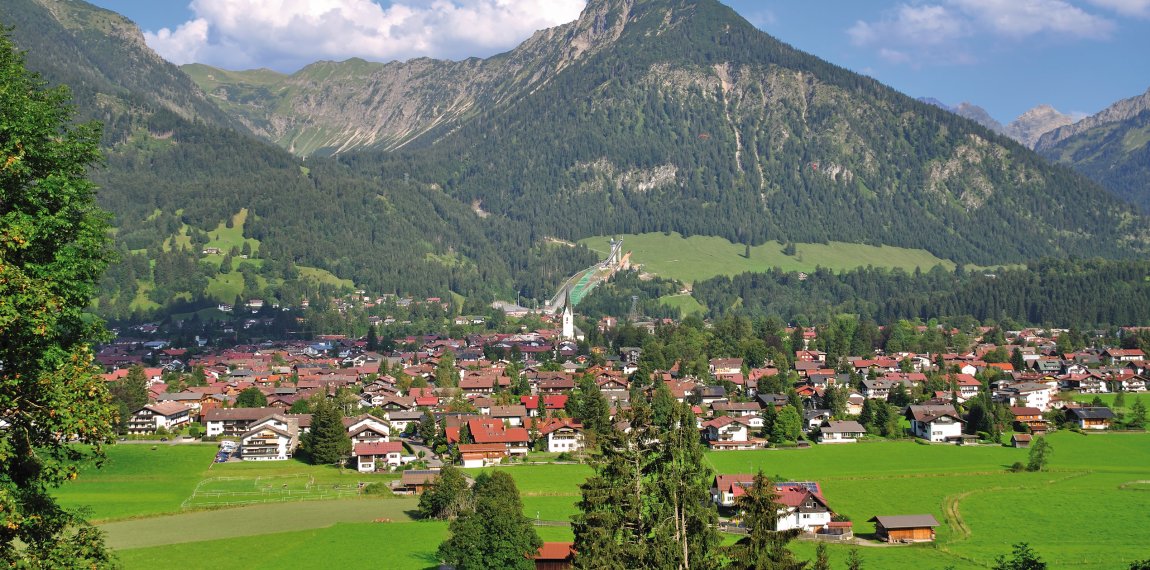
(251, 398)
(1023, 559)
(446, 376)
(427, 427)
(447, 497)
(822, 558)
(1039, 454)
(854, 560)
(788, 425)
(327, 442)
(496, 534)
(1137, 414)
(198, 377)
(645, 506)
(130, 393)
(53, 248)
(764, 547)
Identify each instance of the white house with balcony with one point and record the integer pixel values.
(936, 423)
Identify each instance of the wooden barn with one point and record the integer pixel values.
(905, 528)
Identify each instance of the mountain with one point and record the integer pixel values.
(1026, 129)
(1111, 147)
(641, 116)
(1031, 125)
(681, 116)
(980, 116)
(1123, 110)
(113, 75)
(970, 111)
(184, 179)
(330, 107)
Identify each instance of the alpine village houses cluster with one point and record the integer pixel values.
(500, 410)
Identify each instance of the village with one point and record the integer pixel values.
(501, 398)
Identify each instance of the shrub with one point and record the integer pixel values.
(1018, 467)
(379, 489)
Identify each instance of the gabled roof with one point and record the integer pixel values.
(905, 521)
(927, 413)
(843, 426)
(377, 448)
(1092, 413)
(166, 408)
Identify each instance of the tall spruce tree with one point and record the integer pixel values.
(646, 506)
(130, 393)
(327, 442)
(54, 407)
(764, 548)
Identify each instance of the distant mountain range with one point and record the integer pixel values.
(433, 176)
(1112, 147)
(1026, 129)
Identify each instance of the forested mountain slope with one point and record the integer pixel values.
(643, 115)
(178, 168)
(686, 118)
(1111, 147)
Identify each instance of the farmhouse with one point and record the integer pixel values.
(153, 417)
(803, 507)
(481, 454)
(375, 454)
(274, 438)
(905, 528)
(1090, 418)
(563, 435)
(834, 431)
(367, 428)
(727, 428)
(236, 421)
(935, 422)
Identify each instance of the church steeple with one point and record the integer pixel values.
(568, 332)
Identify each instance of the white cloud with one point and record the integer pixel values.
(914, 25)
(1021, 18)
(286, 34)
(948, 31)
(1136, 8)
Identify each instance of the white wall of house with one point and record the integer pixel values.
(807, 522)
(564, 440)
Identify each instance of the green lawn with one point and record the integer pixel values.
(139, 480)
(346, 545)
(686, 304)
(701, 257)
(1087, 511)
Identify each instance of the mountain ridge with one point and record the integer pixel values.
(640, 116)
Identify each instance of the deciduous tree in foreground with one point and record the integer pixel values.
(55, 412)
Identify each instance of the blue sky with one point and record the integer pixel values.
(1004, 55)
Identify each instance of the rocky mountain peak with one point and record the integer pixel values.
(1031, 125)
(1123, 110)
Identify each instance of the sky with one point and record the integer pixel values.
(1003, 55)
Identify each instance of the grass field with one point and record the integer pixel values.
(1088, 511)
(701, 257)
(686, 304)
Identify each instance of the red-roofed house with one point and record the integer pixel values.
(481, 454)
(563, 435)
(376, 454)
